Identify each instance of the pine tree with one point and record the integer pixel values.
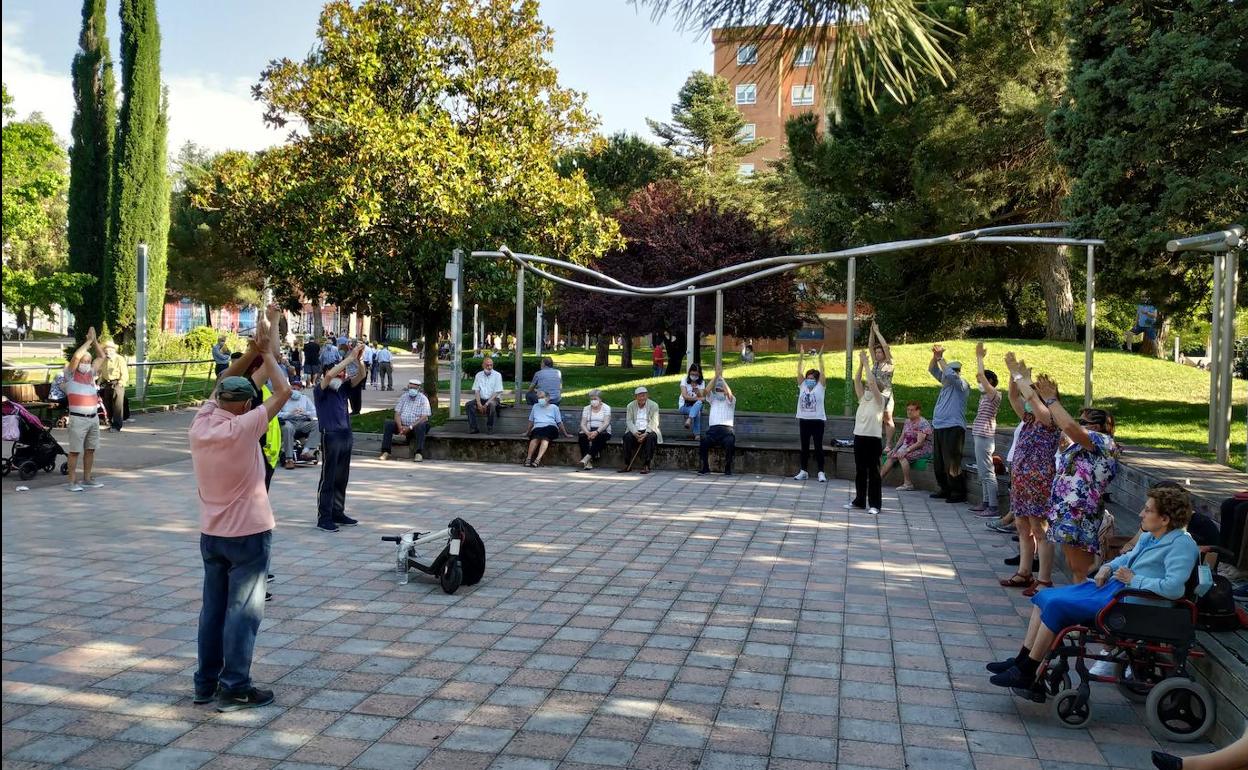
(91, 160)
(140, 187)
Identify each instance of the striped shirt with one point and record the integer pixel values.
(411, 409)
(84, 399)
(986, 415)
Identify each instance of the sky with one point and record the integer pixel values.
(629, 66)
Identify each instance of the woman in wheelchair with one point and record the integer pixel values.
(1161, 563)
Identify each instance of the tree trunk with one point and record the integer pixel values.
(317, 324)
(1013, 318)
(1058, 300)
(431, 361)
(602, 351)
(626, 357)
(676, 349)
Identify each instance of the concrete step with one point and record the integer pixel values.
(1225, 672)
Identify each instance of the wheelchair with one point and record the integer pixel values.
(1150, 640)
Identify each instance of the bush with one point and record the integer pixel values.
(505, 366)
(195, 345)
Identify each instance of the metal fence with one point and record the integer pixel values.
(165, 382)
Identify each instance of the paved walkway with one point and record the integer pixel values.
(668, 621)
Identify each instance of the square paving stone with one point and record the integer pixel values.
(269, 744)
(174, 759)
(391, 756)
(53, 749)
(601, 751)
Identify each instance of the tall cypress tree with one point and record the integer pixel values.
(140, 187)
(90, 160)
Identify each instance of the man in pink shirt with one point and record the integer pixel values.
(236, 527)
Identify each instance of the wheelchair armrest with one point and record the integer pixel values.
(1126, 593)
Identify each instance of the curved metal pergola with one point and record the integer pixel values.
(717, 281)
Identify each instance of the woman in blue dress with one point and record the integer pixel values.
(1161, 562)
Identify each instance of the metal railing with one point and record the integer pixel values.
(187, 381)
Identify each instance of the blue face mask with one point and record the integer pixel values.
(811, 383)
(543, 401)
(413, 392)
(1027, 407)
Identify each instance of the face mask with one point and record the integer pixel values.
(719, 396)
(84, 368)
(982, 389)
(296, 394)
(543, 401)
(811, 384)
(413, 392)
(335, 383)
(595, 402)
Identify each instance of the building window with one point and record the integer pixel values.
(805, 57)
(803, 95)
(745, 169)
(747, 94)
(747, 54)
(748, 132)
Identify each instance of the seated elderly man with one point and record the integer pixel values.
(641, 434)
(548, 380)
(1161, 562)
(487, 388)
(411, 419)
(297, 419)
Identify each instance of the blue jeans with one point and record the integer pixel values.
(234, 573)
(695, 414)
(658, 369)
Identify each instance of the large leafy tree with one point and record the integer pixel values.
(1153, 132)
(670, 235)
(424, 127)
(91, 159)
(139, 193)
(705, 130)
(964, 156)
(615, 167)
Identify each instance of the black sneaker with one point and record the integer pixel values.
(1001, 666)
(346, 521)
(955, 499)
(703, 471)
(252, 697)
(939, 495)
(268, 597)
(205, 696)
(328, 527)
(270, 578)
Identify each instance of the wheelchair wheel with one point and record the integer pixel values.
(452, 575)
(1179, 709)
(1071, 708)
(6, 465)
(1134, 689)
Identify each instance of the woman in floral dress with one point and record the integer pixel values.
(1085, 470)
(915, 444)
(1031, 483)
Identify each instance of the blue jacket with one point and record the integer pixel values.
(1161, 565)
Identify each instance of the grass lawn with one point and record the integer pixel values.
(1156, 403)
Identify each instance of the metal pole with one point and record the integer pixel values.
(1089, 328)
(554, 341)
(140, 324)
(691, 339)
(457, 329)
(518, 349)
(850, 302)
(537, 342)
(1229, 272)
(1176, 348)
(476, 327)
(1215, 346)
(719, 331)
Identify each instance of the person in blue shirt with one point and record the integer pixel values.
(336, 441)
(1161, 562)
(949, 427)
(548, 379)
(545, 425)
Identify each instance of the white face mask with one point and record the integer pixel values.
(595, 402)
(413, 392)
(84, 368)
(543, 401)
(335, 383)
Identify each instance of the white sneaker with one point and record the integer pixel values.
(419, 457)
(75, 487)
(851, 507)
(384, 456)
(873, 511)
(1102, 668)
(93, 484)
(822, 478)
(801, 476)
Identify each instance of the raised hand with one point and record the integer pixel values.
(980, 350)
(938, 350)
(91, 334)
(1011, 361)
(862, 358)
(1045, 387)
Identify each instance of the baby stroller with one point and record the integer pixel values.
(34, 447)
(1150, 640)
(461, 562)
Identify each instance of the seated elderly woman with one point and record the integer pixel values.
(1161, 562)
(595, 429)
(545, 425)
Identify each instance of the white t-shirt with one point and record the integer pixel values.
(810, 403)
(869, 419)
(600, 420)
(487, 385)
(722, 411)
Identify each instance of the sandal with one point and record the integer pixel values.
(1036, 586)
(1017, 580)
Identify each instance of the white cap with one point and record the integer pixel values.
(413, 381)
(640, 389)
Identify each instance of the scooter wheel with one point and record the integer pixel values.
(27, 470)
(452, 575)
(64, 469)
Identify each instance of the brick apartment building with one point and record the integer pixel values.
(776, 73)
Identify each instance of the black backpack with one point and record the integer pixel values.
(1216, 610)
(471, 553)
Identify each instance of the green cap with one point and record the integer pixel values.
(236, 389)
